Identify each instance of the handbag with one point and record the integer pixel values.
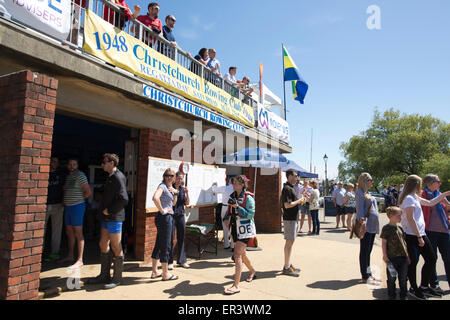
(359, 227)
(314, 205)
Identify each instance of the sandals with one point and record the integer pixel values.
(157, 276)
(172, 277)
(230, 291)
(251, 278)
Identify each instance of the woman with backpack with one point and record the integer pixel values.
(241, 209)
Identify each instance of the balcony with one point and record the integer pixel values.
(115, 16)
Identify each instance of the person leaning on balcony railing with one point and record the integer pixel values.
(201, 57)
(213, 63)
(231, 78)
(169, 36)
(118, 19)
(151, 21)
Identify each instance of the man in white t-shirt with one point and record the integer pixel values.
(231, 75)
(226, 191)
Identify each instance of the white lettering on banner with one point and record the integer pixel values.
(187, 107)
(48, 16)
(272, 124)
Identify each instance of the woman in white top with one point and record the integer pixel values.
(314, 208)
(416, 239)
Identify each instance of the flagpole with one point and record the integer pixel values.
(284, 82)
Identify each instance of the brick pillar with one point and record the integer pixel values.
(268, 205)
(27, 110)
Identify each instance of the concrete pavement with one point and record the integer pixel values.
(329, 264)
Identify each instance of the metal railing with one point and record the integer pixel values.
(117, 17)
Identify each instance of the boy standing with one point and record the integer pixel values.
(395, 253)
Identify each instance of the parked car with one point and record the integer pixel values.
(380, 200)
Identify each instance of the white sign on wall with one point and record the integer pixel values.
(272, 124)
(199, 181)
(48, 16)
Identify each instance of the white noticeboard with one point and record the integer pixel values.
(52, 17)
(199, 181)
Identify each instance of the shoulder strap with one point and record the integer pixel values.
(246, 194)
(368, 211)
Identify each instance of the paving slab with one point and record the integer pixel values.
(329, 271)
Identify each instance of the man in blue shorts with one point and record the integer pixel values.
(76, 191)
(114, 200)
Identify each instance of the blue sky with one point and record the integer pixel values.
(350, 69)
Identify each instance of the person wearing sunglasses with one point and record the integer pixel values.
(169, 36)
(112, 209)
(290, 206)
(165, 198)
(437, 226)
(367, 212)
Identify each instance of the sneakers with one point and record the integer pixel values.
(170, 266)
(291, 271)
(438, 290)
(295, 269)
(430, 292)
(184, 265)
(417, 294)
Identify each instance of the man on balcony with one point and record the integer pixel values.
(168, 35)
(119, 18)
(214, 65)
(151, 21)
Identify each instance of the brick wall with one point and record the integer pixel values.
(27, 110)
(158, 144)
(267, 202)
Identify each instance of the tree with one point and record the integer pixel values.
(395, 146)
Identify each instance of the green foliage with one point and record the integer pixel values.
(395, 146)
(439, 164)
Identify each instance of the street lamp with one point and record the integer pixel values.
(325, 159)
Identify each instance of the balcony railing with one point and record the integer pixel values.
(115, 15)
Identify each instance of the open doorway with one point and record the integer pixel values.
(87, 139)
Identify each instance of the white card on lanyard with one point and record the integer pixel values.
(245, 228)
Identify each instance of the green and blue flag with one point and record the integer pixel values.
(291, 73)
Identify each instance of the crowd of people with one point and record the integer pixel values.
(418, 226)
(422, 213)
(205, 57)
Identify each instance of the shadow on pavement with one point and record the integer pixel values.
(186, 289)
(380, 294)
(259, 275)
(333, 284)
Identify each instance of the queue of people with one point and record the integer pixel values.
(419, 226)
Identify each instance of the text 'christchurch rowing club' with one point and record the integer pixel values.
(142, 54)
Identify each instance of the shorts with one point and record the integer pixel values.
(350, 210)
(305, 208)
(340, 210)
(113, 227)
(290, 229)
(74, 215)
(235, 237)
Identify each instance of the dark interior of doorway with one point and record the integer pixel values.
(87, 140)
